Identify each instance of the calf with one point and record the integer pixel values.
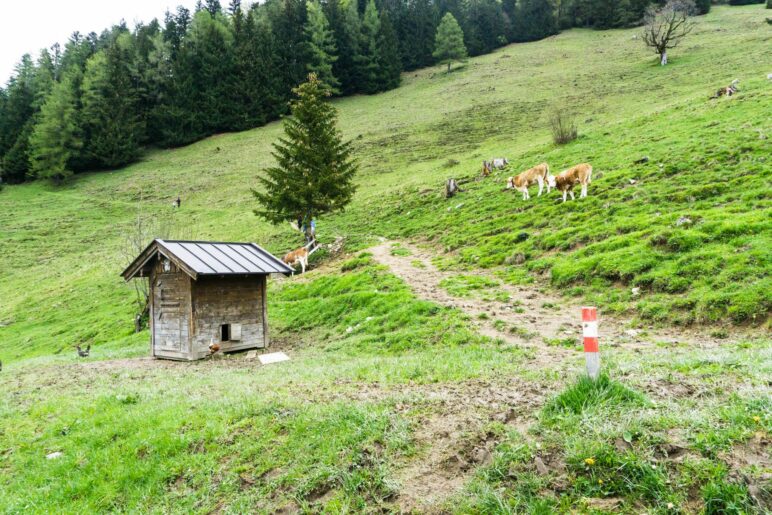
(499, 162)
(297, 256)
(537, 174)
(579, 174)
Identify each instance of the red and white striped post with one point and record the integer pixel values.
(590, 331)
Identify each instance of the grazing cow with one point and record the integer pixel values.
(486, 169)
(536, 175)
(579, 174)
(297, 256)
(499, 162)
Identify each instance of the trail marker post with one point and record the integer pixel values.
(590, 332)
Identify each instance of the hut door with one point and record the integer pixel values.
(171, 323)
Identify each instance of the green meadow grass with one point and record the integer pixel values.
(59, 261)
(693, 232)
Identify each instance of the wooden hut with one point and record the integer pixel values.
(205, 292)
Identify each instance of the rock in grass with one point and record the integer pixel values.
(517, 258)
(541, 468)
(483, 456)
(643, 160)
(54, 455)
(684, 220)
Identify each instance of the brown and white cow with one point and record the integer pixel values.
(565, 182)
(297, 256)
(536, 175)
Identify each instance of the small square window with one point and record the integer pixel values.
(225, 333)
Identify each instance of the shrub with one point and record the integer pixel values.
(563, 125)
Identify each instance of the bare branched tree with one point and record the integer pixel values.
(135, 237)
(665, 27)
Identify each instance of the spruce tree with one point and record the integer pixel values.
(416, 34)
(19, 109)
(449, 42)
(56, 136)
(287, 24)
(314, 167)
(348, 64)
(15, 163)
(535, 20)
(369, 66)
(110, 116)
(389, 61)
(322, 52)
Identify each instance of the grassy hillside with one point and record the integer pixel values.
(58, 278)
(387, 392)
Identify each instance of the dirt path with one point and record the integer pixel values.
(529, 318)
(549, 325)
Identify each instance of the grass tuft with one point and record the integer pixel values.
(586, 393)
(726, 498)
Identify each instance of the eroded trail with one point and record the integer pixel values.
(529, 318)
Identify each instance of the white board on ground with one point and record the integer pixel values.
(273, 357)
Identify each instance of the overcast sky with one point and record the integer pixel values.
(26, 27)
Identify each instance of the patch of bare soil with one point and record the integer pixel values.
(451, 429)
(751, 463)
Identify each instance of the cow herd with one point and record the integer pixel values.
(540, 174)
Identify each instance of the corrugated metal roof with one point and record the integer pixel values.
(212, 258)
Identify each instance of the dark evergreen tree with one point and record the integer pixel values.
(56, 138)
(288, 19)
(110, 116)
(314, 167)
(369, 55)
(322, 52)
(535, 20)
(486, 26)
(213, 7)
(347, 32)
(417, 33)
(389, 62)
(703, 6)
(15, 164)
(14, 123)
